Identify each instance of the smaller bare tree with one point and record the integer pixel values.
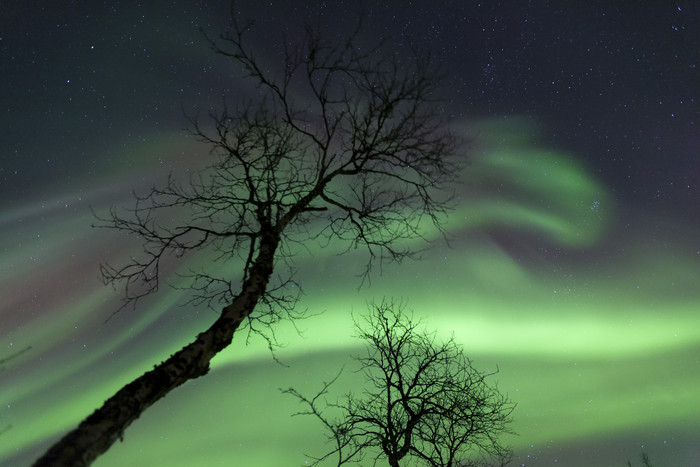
(423, 403)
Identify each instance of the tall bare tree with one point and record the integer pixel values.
(423, 402)
(340, 143)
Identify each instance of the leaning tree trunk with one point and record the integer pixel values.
(105, 425)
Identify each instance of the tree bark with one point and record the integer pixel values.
(105, 425)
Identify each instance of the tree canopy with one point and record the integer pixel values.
(339, 143)
(423, 402)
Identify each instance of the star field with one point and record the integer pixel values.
(573, 260)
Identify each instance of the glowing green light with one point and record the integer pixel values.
(603, 345)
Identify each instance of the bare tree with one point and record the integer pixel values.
(342, 143)
(423, 403)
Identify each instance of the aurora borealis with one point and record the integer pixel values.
(573, 260)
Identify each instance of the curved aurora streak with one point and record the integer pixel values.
(526, 285)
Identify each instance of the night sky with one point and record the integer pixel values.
(573, 263)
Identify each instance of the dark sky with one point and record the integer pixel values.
(93, 103)
(616, 81)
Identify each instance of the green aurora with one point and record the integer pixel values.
(596, 348)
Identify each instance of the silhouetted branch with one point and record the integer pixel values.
(5, 360)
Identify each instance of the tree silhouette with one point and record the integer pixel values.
(422, 402)
(342, 143)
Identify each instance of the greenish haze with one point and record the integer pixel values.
(596, 335)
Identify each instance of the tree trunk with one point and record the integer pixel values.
(105, 425)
